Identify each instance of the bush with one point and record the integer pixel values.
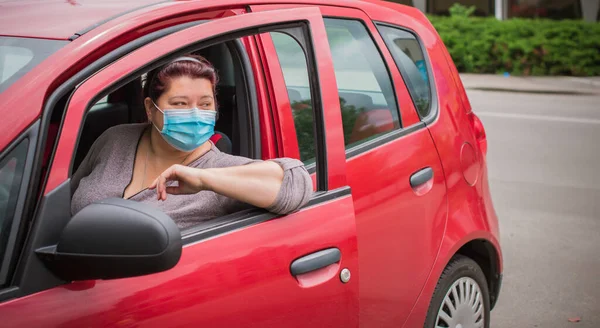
(458, 10)
(520, 46)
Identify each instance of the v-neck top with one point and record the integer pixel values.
(107, 170)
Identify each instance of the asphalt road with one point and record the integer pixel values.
(544, 169)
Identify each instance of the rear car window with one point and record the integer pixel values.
(19, 55)
(408, 55)
(367, 98)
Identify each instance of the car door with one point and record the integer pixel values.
(250, 269)
(401, 205)
(397, 181)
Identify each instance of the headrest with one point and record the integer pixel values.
(371, 123)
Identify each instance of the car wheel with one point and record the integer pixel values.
(461, 298)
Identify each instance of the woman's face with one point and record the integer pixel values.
(182, 93)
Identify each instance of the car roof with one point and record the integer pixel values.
(63, 19)
(60, 19)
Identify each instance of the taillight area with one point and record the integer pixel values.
(479, 130)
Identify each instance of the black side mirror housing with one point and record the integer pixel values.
(114, 238)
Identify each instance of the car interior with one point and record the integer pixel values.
(125, 105)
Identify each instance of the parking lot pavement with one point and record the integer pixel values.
(544, 166)
(543, 85)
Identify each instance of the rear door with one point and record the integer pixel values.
(394, 170)
(246, 270)
(392, 166)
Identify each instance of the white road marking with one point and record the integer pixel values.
(540, 117)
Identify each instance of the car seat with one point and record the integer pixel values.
(222, 142)
(371, 123)
(358, 100)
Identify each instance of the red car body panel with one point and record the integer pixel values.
(237, 280)
(396, 241)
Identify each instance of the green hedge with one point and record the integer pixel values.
(521, 46)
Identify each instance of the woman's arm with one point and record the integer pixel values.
(280, 186)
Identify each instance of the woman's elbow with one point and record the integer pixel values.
(296, 190)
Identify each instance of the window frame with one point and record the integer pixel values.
(433, 102)
(305, 41)
(250, 217)
(375, 75)
(310, 167)
(245, 95)
(387, 136)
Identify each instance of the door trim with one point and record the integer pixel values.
(250, 217)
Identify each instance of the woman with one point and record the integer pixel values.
(171, 164)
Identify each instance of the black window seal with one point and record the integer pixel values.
(434, 104)
(250, 101)
(9, 293)
(250, 217)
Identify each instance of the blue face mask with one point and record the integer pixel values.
(187, 129)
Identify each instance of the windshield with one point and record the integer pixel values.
(19, 55)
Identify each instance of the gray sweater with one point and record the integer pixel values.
(108, 168)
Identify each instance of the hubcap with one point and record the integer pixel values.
(462, 307)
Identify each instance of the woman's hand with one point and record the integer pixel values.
(189, 179)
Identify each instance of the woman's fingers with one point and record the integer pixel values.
(161, 182)
(187, 178)
(153, 184)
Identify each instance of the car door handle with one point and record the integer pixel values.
(421, 177)
(315, 261)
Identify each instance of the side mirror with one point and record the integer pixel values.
(114, 238)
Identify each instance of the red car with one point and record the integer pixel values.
(400, 232)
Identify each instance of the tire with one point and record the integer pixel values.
(462, 276)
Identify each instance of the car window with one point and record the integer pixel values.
(19, 55)
(11, 172)
(366, 92)
(409, 58)
(295, 73)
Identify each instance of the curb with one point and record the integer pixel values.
(586, 81)
(535, 91)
